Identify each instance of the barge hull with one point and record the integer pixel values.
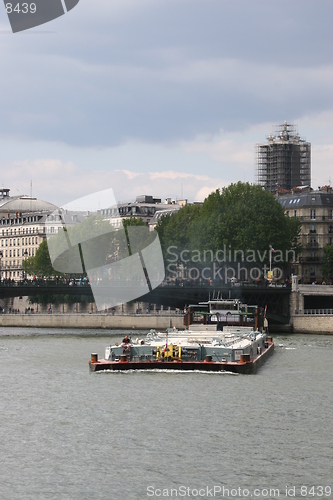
(242, 367)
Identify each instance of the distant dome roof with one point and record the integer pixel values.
(24, 204)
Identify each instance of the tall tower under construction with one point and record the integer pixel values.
(284, 161)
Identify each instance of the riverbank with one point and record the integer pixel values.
(109, 321)
(308, 324)
(317, 323)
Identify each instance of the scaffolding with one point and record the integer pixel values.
(284, 161)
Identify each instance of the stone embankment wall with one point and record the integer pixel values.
(126, 322)
(300, 323)
(305, 323)
(309, 323)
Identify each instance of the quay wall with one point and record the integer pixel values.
(309, 323)
(125, 322)
(320, 323)
(300, 323)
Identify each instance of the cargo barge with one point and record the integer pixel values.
(245, 365)
(233, 340)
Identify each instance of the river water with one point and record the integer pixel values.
(69, 434)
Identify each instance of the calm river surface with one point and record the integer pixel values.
(69, 434)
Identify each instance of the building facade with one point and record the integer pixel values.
(145, 207)
(314, 208)
(22, 230)
(284, 161)
(26, 222)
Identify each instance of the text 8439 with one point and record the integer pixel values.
(24, 8)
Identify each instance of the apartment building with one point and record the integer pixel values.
(26, 221)
(314, 208)
(147, 208)
(22, 229)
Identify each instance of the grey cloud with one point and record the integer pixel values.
(164, 74)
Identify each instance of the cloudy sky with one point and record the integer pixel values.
(162, 97)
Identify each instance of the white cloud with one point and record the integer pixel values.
(322, 165)
(225, 151)
(60, 182)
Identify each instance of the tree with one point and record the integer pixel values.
(239, 223)
(133, 221)
(179, 228)
(39, 265)
(243, 217)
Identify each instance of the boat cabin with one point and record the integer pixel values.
(223, 313)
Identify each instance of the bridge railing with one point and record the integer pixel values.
(315, 311)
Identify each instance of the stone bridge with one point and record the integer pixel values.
(275, 298)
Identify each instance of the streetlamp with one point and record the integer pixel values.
(25, 258)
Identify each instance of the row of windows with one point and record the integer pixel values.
(53, 230)
(11, 263)
(19, 220)
(11, 274)
(129, 210)
(114, 211)
(314, 243)
(313, 214)
(16, 253)
(13, 242)
(28, 230)
(55, 217)
(313, 229)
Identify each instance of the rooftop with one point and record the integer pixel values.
(306, 197)
(22, 204)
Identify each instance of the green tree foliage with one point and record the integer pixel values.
(245, 217)
(241, 217)
(40, 265)
(133, 221)
(180, 228)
